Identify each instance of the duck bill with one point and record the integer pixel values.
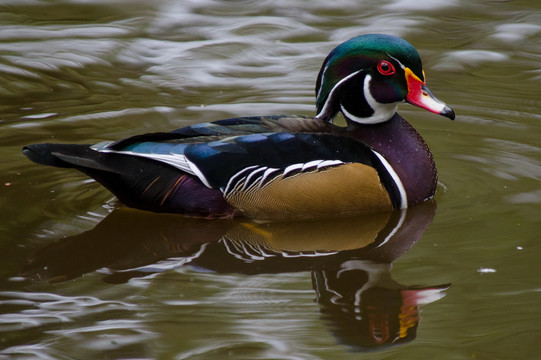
(420, 95)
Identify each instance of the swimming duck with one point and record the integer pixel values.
(278, 167)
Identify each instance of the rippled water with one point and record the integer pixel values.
(83, 277)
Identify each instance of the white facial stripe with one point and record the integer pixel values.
(322, 77)
(331, 94)
(398, 61)
(396, 179)
(382, 112)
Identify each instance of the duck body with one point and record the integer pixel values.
(264, 167)
(283, 167)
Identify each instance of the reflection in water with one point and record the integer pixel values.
(350, 261)
(365, 308)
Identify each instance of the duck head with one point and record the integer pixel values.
(368, 75)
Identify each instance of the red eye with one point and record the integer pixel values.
(386, 68)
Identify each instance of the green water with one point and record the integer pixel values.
(115, 283)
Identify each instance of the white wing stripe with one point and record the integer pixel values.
(266, 175)
(241, 180)
(327, 163)
(311, 164)
(252, 174)
(176, 160)
(232, 178)
(291, 168)
(195, 170)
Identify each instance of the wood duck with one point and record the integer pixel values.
(284, 167)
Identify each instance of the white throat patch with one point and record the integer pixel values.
(382, 112)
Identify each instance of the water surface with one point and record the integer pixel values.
(102, 287)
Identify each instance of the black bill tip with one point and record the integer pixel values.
(448, 112)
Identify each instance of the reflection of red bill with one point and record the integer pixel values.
(420, 95)
(411, 299)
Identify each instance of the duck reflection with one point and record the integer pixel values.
(366, 309)
(349, 259)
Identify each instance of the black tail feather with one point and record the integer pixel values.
(45, 154)
(136, 181)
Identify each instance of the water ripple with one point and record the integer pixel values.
(38, 309)
(83, 71)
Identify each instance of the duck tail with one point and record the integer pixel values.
(52, 154)
(136, 181)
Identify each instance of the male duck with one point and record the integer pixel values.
(276, 167)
